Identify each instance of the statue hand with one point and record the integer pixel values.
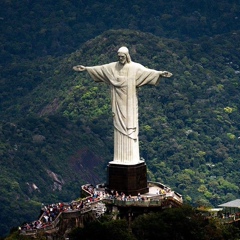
(79, 68)
(165, 74)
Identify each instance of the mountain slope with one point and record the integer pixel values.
(58, 134)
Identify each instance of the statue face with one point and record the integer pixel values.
(122, 58)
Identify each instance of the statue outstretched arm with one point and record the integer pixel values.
(165, 74)
(79, 68)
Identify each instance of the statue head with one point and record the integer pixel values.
(123, 55)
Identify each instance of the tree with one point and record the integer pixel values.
(181, 223)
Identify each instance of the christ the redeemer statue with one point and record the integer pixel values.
(124, 77)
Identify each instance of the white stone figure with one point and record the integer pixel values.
(124, 77)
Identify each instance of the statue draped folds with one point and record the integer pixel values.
(123, 81)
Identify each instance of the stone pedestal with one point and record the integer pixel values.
(129, 179)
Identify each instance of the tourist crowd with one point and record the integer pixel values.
(50, 212)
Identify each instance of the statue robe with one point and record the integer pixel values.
(123, 80)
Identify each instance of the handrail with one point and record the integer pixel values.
(89, 207)
(231, 219)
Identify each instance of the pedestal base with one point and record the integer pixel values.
(129, 179)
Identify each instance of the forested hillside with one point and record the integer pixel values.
(56, 126)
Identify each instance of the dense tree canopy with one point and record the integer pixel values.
(56, 126)
(171, 224)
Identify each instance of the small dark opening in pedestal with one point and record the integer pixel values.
(129, 179)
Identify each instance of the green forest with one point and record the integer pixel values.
(170, 224)
(56, 128)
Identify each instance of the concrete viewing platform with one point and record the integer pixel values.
(97, 201)
(158, 196)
